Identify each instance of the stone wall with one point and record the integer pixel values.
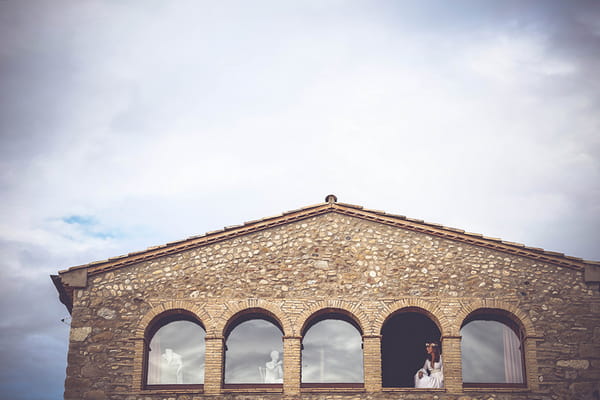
(340, 262)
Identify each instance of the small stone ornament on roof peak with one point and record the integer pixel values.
(331, 198)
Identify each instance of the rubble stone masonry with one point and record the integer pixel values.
(334, 261)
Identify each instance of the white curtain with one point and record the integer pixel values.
(513, 368)
(154, 362)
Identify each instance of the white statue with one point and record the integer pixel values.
(171, 367)
(274, 369)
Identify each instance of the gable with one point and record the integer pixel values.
(343, 242)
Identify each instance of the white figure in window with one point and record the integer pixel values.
(171, 367)
(274, 369)
(432, 373)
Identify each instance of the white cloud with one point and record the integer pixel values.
(517, 59)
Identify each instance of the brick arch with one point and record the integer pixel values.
(518, 314)
(353, 309)
(198, 312)
(418, 305)
(232, 309)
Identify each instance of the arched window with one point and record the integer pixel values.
(175, 354)
(253, 350)
(403, 338)
(492, 351)
(332, 351)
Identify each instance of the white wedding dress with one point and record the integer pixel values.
(435, 379)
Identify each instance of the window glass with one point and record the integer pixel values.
(332, 353)
(254, 353)
(491, 353)
(176, 354)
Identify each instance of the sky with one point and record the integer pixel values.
(332, 353)
(248, 348)
(128, 124)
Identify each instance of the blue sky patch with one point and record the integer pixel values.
(91, 227)
(80, 220)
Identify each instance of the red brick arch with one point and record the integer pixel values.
(350, 308)
(424, 307)
(518, 315)
(145, 322)
(234, 308)
(199, 312)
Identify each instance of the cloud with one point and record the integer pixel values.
(516, 60)
(483, 353)
(38, 339)
(332, 352)
(126, 125)
(248, 347)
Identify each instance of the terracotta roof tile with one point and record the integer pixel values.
(477, 235)
(233, 226)
(135, 253)
(513, 243)
(554, 253)
(351, 206)
(175, 242)
(397, 216)
(492, 238)
(309, 207)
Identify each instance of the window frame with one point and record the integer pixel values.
(334, 314)
(158, 322)
(234, 321)
(509, 320)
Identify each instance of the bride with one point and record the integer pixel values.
(432, 373)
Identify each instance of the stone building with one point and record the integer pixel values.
(333, 301)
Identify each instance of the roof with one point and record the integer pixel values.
(329, 206)
(287, 217)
